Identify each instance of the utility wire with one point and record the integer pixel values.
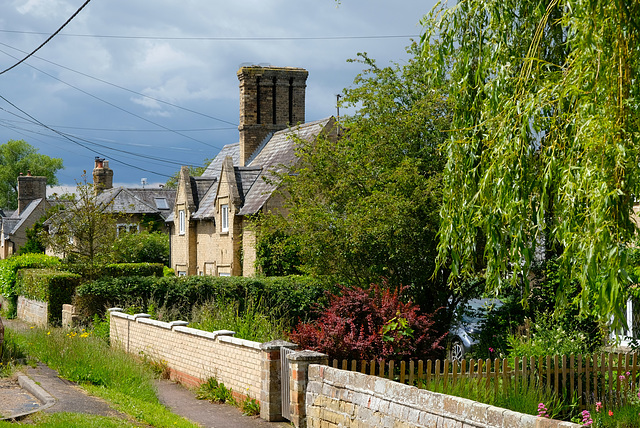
(48, 39)
(76, 142)
(118, 86)
(232, 39)
(119, 108)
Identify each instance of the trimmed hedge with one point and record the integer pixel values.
(294, 297)
(118, 270)
(48, 285)
(9, 267)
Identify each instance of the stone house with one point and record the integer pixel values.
(32, 205)
(138, 209)
(211, 224)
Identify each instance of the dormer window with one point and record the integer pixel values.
(224, 218)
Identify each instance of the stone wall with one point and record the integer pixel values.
(32, 311)
(338, 398)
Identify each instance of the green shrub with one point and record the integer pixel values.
(47, 285)
(9, 267)
(143, 247)
(117, 270)
(292, 297)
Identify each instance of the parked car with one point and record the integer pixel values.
(467, 324)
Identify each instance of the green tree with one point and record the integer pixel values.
(366, 206)
(143, 247)
(543, 152)
(16, 157)
(194, 171)
(83, 230)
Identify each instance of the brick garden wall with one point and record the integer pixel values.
(350, 399)
(192, 355)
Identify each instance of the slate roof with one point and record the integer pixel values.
(12, 224)
(138, 201)
(276, 152)
(276, 155)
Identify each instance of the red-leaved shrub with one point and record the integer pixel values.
(371, 323)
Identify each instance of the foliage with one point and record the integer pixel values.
(543, 151)
(143, 247)
(35, 243)
(254, 322)
(278, 253)
(84, 231)
(370, 323)
(10, 353)
(47, 285)
(215, 391)
(19, 157)
(290, 297)
(365, 207)
(9, 268)
(547, 337)
(133, 269)
(194, 171)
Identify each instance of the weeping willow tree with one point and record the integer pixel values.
(542, 157)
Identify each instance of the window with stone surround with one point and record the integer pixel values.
(181, 222)
(224, 218)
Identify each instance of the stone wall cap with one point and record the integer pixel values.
(122, 315)
(114, 310)
(275, 345)
(136, 316)
(306, 355)
(178, 323)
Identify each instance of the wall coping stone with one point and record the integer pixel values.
(136, 316)
(201, 333)
(275, 345)
(114, 310)
(122, 315)
(306, 355)
(241, 342)
(178, 323)
(156, 323)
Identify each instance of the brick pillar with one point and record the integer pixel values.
(271, 390)
(299, 364)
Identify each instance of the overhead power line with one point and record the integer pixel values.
(230, 39)
(118, 86)
(48, 39)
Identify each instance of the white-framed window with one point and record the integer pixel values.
(182, 273)
(127, 228)
(181, 222)
(161, 203)
(224, 274)
(224, 218)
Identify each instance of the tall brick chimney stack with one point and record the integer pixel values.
(271, 99)
(30, 188)
(102, 175)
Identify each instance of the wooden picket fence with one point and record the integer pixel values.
(611, 377)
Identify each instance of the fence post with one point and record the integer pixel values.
(270, 391)
(299, 363)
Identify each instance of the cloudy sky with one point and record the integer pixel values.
(151, 84)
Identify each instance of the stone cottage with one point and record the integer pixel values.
(211, 231)
(32, 205)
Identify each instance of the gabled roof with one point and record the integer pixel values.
(276, 155)
(137, 201)
(12, 224)
(252, 185)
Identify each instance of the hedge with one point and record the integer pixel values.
(294, 297)
(9, 267)
(48, 285)
(117, 270)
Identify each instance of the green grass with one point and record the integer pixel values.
(73, 420)
(253, 323)
(104, 371)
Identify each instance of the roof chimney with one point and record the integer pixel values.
(102, 175)
(271, 99)
(30, 188)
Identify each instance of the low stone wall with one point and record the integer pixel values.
(33, 311)
(350, 399)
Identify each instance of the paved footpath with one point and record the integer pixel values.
(71, 398)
